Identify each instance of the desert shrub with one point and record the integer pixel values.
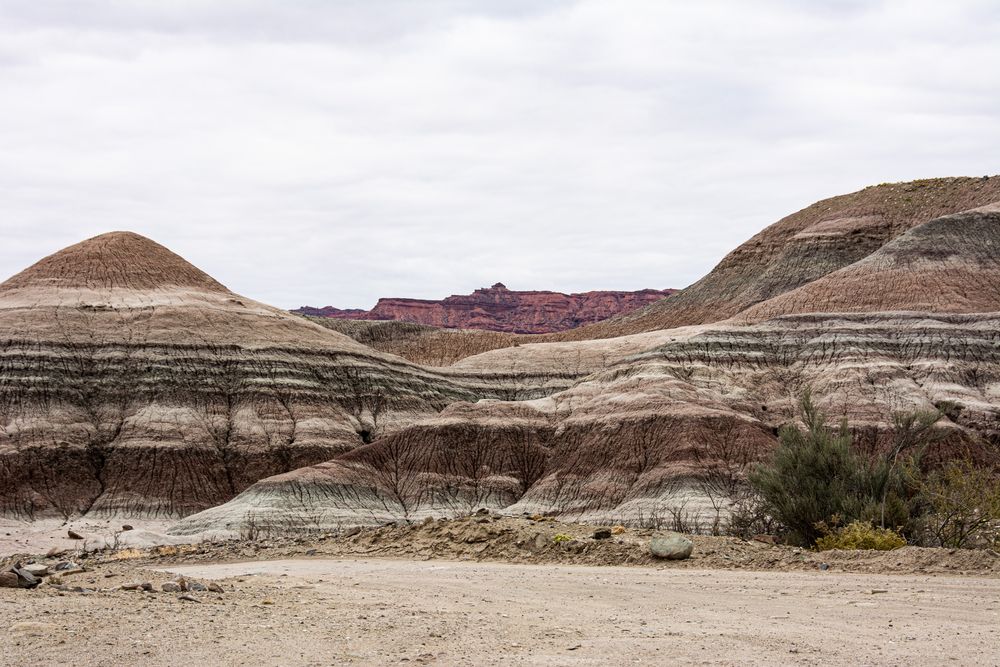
(250, 530)
(750, 515)
(861, 535)
(561, 537)
(815, 481)
(813, 477)
(962, 505)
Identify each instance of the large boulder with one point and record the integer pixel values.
(672, 546)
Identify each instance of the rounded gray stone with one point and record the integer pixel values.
(672, 546)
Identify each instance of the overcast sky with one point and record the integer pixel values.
(328, 152)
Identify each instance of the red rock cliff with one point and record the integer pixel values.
(500, 309)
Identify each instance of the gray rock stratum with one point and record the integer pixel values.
(658, 423)
(133, 383)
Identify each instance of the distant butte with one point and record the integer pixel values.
(497, 308)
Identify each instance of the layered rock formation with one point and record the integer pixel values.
(132, 382)
(645, 440)
(948, 265)
(807, 245)
(420, 343)
(907, 323)
(500, 309)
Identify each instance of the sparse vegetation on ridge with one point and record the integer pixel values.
(823, 492)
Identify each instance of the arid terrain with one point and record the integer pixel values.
(344, 490)
(136, 385)
(490, 590)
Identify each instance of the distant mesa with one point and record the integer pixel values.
(497, 308)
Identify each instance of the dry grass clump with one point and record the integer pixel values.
(861, 535)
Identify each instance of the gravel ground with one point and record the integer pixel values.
(380, 611)
(491, 590)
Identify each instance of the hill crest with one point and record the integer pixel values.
(124, 260)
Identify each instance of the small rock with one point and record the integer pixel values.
(216, 588)
(311, 552)
(170, 587)
(37, 569)
(64, 565)
(25, 579)
(766, 539)
(267, 602)
(876, 591)
(138, 586)
(127, 527)
(352, 531)
(602, 534)
(73, 535)
(824, 566)
(197, 586)
(482, 511)
(187, 597)
(54, 551)
(672, 546)
(8, 580)
(618, 530)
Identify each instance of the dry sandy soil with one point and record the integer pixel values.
(490, 590)
(322, 611)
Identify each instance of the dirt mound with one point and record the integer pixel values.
(114, 260)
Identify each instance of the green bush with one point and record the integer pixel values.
(815, 481)
(861, 535)
(813, 478)
(562, 537)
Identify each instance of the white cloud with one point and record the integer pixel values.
(334, 152)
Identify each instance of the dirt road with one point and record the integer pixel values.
(322, 611)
